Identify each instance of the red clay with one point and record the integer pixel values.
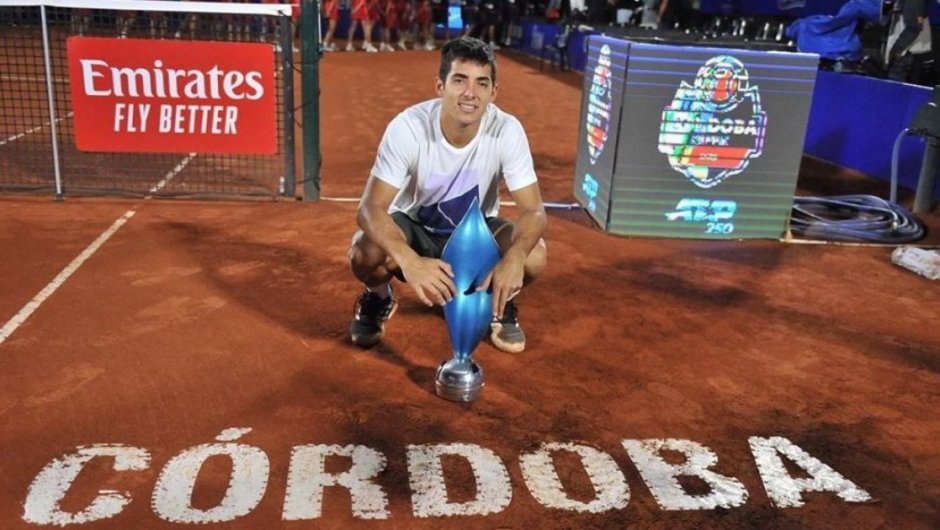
(197, 317)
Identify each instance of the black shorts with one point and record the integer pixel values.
(428, 244)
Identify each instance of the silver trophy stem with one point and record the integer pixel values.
(459, 380)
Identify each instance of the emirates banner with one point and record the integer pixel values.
(135, 95)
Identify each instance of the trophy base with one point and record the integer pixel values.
(459, 380)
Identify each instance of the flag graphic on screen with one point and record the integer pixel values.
(713, 128)
(600, 103)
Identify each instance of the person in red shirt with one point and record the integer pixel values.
(425, 30)
(389, 22)
(361, 17)
(406, 20)
(331, 12)
(376, 15)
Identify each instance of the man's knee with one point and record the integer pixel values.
(364, 255)
(368, 261)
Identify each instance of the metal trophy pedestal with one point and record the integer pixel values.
(472, 253)
(459, 380)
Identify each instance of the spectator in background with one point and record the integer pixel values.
(553, 10)
(511, 15)
(653, 11)
(389, 22)
(439, 16)
(406, 20)
(909, 40)
(676, 13)
(488, 19)
(598, 12)
(469, 15)
(375, 20)
(360, 16)
(425, 27)
(331, 12)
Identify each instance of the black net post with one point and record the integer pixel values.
(290, 158)
(310, 87)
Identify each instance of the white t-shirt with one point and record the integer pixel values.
(436, 181)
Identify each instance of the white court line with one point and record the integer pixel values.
(169, 176)
(34, 129)
(57, 282)
(19, 318)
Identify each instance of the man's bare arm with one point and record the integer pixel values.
(508, 275)
(530, 225)
(377, 224)
(431, 279)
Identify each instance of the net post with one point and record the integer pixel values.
(290, 156)
(310, 88)
(50, 93)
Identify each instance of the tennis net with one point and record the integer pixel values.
(146, 98)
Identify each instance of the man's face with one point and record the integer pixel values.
(466, 92)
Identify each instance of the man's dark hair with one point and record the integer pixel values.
(467, 49)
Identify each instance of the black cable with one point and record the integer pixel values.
(858, 217)
(854, 218)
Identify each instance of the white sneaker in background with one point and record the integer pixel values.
(429, 46)
(370, 48)
(401, 45)
(349, 47)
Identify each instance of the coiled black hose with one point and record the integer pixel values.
(857, 217)
(854, 218)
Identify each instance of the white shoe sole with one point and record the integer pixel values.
(508, 347)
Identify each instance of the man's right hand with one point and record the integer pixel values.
(431, 279)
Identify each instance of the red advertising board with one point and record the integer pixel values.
(135, 95)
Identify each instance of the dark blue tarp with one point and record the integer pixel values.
(835, 36)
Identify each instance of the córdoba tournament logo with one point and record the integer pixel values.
(713, 128)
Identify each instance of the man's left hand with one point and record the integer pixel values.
(506, 280)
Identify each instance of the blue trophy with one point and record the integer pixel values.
(472, 253)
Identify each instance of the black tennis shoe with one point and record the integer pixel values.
(372, 312)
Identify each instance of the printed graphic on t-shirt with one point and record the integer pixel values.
(443, 217)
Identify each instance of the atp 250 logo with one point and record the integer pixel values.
(713, 128)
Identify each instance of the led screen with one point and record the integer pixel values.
(709, 143)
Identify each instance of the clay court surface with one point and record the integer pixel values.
(199, 317)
